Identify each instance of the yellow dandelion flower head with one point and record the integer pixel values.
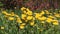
(23, 16)
(42, 18)
(23, 8)
(4, 12)
(49, 20)
(10, 18)
(42, 12)
(21, 26)
(19, 20)
(32, 23)
(29, 17)
(55, 22)
(37, 15)
(29, 13)
(57, 15)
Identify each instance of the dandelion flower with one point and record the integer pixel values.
(23, 8)
(19, 20)
(10, 18)
(55, 22)
(32, 23)
(23, 16)
(29, 17)
(29, 13)
(49, 20)
(4, 12)
(22, 26)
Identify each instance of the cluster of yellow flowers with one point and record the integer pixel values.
(29, 17)
(43, 16)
